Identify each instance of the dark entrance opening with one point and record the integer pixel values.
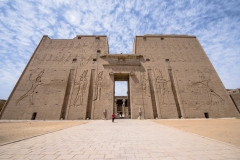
(206, 114)
(34, 116)
(122, 107)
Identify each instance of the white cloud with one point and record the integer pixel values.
(23, 23)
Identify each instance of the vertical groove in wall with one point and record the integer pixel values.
(155, 114)
(67, 94)
(90, 95)
(174, 93)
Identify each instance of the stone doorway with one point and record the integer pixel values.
(122, 107)
(122, 102)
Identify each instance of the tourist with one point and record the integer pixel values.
(113, 117)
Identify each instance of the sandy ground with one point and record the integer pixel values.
(225, 130)
(17, 130)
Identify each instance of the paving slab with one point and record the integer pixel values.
(124, 139)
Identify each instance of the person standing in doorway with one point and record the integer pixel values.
(113, 117)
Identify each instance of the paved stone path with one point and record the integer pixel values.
(124, 139)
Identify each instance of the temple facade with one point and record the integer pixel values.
(169, 76)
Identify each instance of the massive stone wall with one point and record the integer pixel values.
(169, 76)
(186, 84)
(55, 84)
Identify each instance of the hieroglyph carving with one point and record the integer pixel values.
(83, 59)
(82, 47)
(81, 88)
(97, 87)
(36, 81)
(151, 46)
(161, 85)
(62, 57)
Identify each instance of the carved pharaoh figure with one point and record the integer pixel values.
(204, 84)
(82, 84)
(98, 86)
(161, 85)
(36, 81)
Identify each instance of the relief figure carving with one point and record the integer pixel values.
(203, 83)
(36, 81)
(89, 58)
(82, 60)
(97, 88)
(85, 59)
(98, 45)
(161, 85)
(81, 88)
(144, 83)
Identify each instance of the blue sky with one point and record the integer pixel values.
(23, 23)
